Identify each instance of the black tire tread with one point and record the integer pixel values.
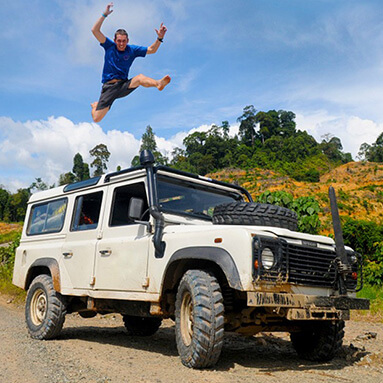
(320, 342)
(56, 310)
(207, 340)
(258, 214)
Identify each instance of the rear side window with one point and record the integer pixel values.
(87, 211)
(47, 217)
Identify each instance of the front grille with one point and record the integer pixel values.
(309, 265)
(302, 264)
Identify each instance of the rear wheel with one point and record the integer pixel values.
(44, 309)
(199, 319)
(319, 341)
(141, 326)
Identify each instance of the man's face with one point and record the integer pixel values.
(121, 42)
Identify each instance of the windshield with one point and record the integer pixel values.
(188, 198)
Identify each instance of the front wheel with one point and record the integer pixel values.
(199, 319)
(319, 341)
(44, 309)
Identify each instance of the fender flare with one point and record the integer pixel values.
(53, 267)
(216, 255)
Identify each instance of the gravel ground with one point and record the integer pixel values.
(98, 350)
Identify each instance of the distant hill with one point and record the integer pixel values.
(358, 185)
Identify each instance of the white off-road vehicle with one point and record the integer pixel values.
(152, 242)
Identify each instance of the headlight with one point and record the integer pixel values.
(268, 258)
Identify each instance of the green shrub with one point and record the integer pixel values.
(307, 209)
(366, 238)
(7, 261)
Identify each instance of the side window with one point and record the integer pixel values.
(47, 217)
(87, 211)
(121, 198)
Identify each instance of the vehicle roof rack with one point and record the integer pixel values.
(182, 173)
(82, 184)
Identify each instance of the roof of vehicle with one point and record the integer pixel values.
(125, 174)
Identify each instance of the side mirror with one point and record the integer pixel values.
(136, 206)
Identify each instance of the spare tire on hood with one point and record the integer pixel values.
(258, 214)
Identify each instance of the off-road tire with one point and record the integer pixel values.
(199, 319)
(44, 309)
(319, 341)
(141, 326)
(257, 214)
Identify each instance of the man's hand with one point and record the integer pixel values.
(108, 9)
(96, 30)
(161, 32)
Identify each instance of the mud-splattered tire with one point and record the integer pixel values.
(319, 341)
(44, 309)
(258, 214)
(141, 326)
(199, 319)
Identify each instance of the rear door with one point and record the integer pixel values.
(78, 252)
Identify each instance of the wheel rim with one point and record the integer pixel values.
(38, 307)
(187, 319)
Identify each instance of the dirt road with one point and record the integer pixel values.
(98, 350)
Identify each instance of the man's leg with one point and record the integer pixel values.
(148, 82)
(98, 115)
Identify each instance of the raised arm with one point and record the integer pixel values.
(160, 35)
(96, 29)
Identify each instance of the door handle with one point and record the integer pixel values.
(68, 254)
(105, 252)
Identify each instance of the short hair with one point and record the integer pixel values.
(121, 32)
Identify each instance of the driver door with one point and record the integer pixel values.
(122, 252)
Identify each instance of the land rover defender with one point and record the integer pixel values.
(152, 242)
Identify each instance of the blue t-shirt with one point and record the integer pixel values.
(116, 63)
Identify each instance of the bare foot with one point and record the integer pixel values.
(94, 105)
(163, 82)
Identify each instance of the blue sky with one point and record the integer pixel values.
(321, 59)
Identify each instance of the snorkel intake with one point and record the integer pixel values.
(342, 263)
(147, 160)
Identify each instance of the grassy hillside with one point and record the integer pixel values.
(358, 185)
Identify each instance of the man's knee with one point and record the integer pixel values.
(138, 79)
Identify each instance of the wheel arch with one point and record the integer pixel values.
(48, 266)
(216, 259)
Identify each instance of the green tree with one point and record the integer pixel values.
(332, 148)
(38, 185)
(4, 204)
(248, 123)
(66, 178)
(374, 152)
(18, 205)
(80, 168)
(101, 156)
(148, 142)
(269, 124)
(287, 123)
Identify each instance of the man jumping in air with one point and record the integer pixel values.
(119, 56)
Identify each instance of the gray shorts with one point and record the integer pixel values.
(111, 92)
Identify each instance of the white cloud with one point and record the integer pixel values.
(46, 148)
(352, 131)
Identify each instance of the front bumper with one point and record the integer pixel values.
(307, 307)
